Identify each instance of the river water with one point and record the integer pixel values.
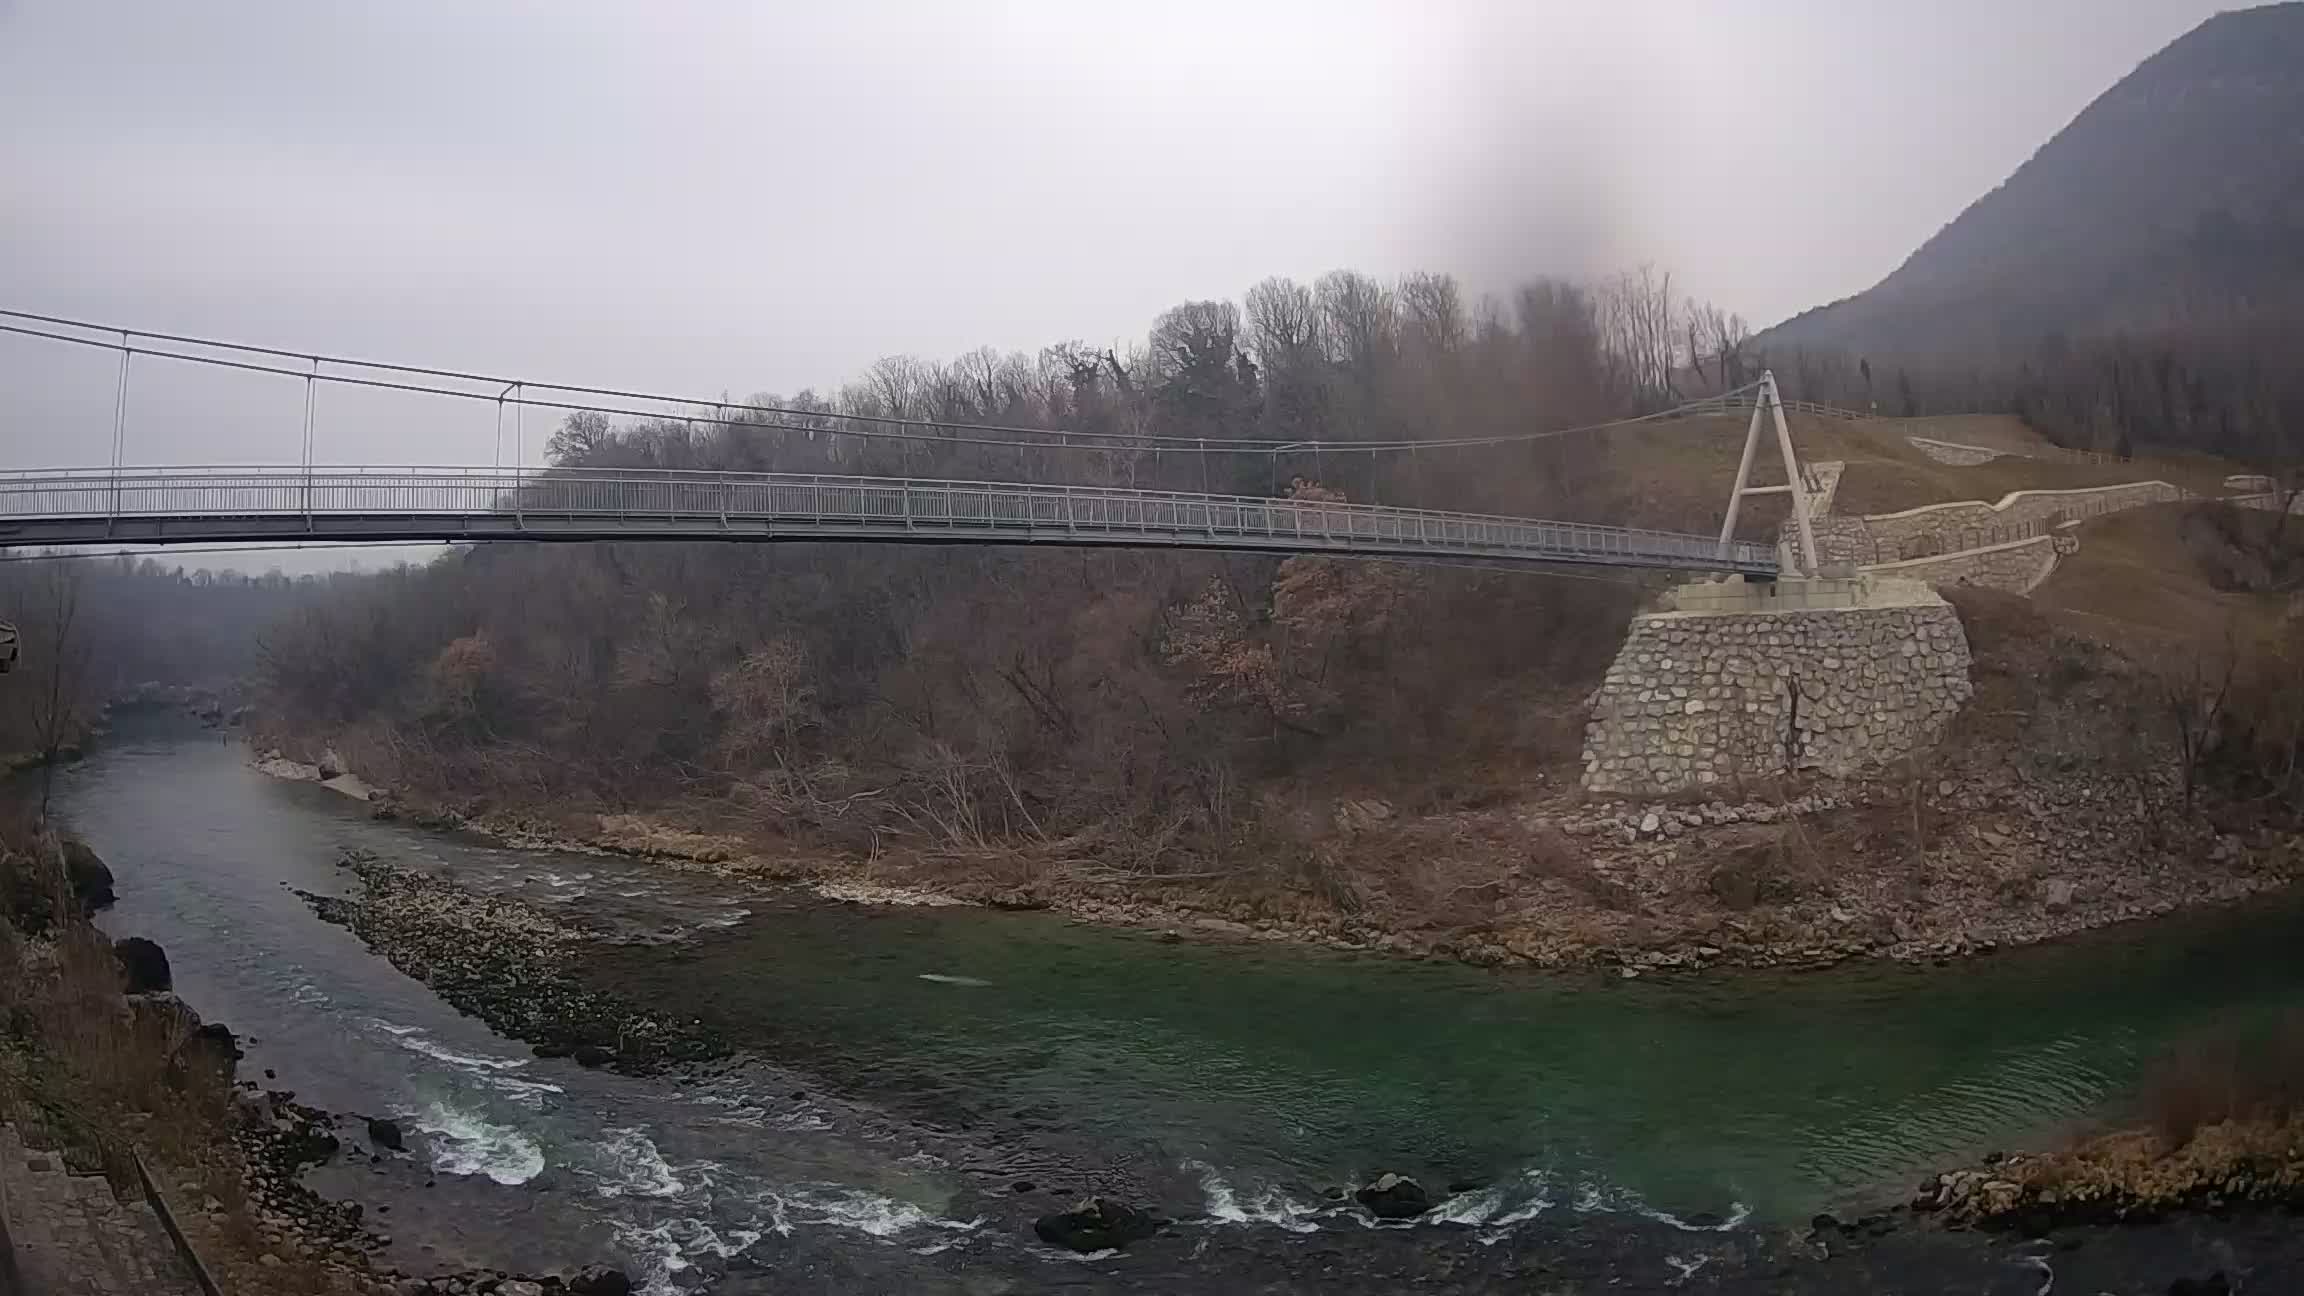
(909, 1069)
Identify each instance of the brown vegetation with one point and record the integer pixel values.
(1124, 715)
(2225, 1126)
(98, 1074)
(2232, 1074)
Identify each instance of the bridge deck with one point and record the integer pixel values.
(184, 505)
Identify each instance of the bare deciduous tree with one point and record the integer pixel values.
(53, 693)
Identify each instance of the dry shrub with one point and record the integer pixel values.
(1778, 868)
(2227, 1075)
(1285, 860)
(78, 1057)
(1554, 854)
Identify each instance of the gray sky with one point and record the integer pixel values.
(750, 196)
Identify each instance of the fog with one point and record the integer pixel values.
(740, 197)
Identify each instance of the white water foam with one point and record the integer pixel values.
(416, 1043)
(1263, 1205)
(1526, 1210)
(1469, 1208)
(466, 1144)
(1595, 1198)
(944, 978)
(866, 1212)
(528, 1093)
(671, 1247)
(627, 1164)
(1738, 1212)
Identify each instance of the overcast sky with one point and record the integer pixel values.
(742, 196)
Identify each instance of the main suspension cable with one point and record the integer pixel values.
(1065, 439)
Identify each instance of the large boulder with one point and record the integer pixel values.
(161, 1015)
(386, 1134)
(599, 1280)
(143, 967)
(215, 1042)
(91, 882)
(1394, 1197)
(1097, 1224)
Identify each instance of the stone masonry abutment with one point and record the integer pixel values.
(1738, 680)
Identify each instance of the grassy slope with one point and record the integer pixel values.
(2135, 582)
(1677, 475)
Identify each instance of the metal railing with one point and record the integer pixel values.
(1957, 541)
(161, 505)
(1742, 403)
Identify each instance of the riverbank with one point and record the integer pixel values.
(2128, 1176)
(2049, 809)
(2057, 802)
(102, 1064)
(911, 1065)
(1699, 1252)
(1796, 882)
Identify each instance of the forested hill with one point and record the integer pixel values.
(2178, 193)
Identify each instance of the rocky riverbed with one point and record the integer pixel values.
(2127, 1176)
(507, 963)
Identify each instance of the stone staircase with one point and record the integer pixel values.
(72, 1237)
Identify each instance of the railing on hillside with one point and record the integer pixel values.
(149, 505)
(2044, 454)
(1720, 405)
(116, 1153)
(185, 1253)
(1742, 404)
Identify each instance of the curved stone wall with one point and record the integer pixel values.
(2016, 567)
(1944, 529)
(1951, 452)
(2019, 508)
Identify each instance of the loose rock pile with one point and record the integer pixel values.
(510, 965)
(2124, 1177)
(277, 1138)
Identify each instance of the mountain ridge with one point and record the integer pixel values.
(2175, 195)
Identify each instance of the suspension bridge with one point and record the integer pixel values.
(124, 504)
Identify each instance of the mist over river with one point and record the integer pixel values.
(904, 1073)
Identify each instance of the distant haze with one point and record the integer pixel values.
(739, 197)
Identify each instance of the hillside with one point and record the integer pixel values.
(2177, 197)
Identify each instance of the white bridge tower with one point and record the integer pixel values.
(1766, 404)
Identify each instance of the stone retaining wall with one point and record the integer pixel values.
(1926, 532)
(1700, 698)
(2017, 567)
(1951, 452)
(2020, 508)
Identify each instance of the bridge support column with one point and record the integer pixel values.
(1766, 402)
(1736, 680)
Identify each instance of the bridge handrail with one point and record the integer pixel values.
(505, 487)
